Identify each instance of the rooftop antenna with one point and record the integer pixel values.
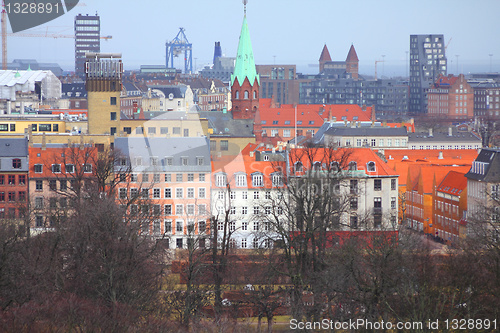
(245, 6)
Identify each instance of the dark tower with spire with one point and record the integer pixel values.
(245, 81)
(352, 62)
(324, 58)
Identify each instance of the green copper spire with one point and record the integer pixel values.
(245, 64)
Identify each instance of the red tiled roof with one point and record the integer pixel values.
(325, 55)
(362, 156)
(454, 183)
(307, 113)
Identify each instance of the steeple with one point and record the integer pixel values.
(323, 58)
(352, 62)
(245, 81)
(245, 64)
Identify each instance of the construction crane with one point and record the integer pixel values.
(447, 44)
(178, 45)
(5, 33)
(376, 62)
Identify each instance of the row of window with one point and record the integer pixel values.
(256, 210)
(68, 168)
(256, 243)
(11, 179)
(168, 193)
(16, 163)
(167, 161)
(156, 178)
(12, 196)
(244, 195)
(257, 179)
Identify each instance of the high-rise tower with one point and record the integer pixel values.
(87, 39)
(104, 85)
(427, 62)
(245, 81)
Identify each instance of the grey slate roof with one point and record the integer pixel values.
(167, 90)
(224, 124)
(492, 168)
(366, 131)
(439, 137)
(14, 147)
(176, 148)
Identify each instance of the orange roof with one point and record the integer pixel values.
(309, 115)
(362, 156)
(244, 163)
(426, 175)
(454, 183)
(57, 155)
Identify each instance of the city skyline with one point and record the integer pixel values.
(282, 32)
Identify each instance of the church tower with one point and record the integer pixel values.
(245, 81)
(352, 62)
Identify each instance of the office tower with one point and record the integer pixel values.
(427, 62)
(87, 39)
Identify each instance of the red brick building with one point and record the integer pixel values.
(451, 98)
(13, 177)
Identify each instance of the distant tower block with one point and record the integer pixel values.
(87, 39)
(104, 85)
(217, 51)
(177, 46)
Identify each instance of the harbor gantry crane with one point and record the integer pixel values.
(176, 47)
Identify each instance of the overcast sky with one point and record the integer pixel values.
(282, 32)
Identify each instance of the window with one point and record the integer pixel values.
(22, 196)
(70, 168)
(255, 243)
(156, 193)
(224, 145)
(127, 130)
(277, 179)
(377, 184)
(39, 203)
(168, 177)
(63, 185)
(244, 195)
(38, 168)
(241, 180)
(156, 178)
(113, 116)
(134, 193)
(201, 177)
(354, 221)
(178, 177)
(371, 166)
(202, 210)
(257, 180)
(179, 209)
(16, 163)
(151, 130)
(12, 179)
(393, 184)
(39, 185)
(393, 203)
(2, 179)
(298, 166)
(256, 210)
(377, 204)
(176, 130)
(168, 225)
(232, 210)
(123, 193)
(178, 242)
(56, 168)
(353, 166)
(87, 168)
(201, 193)
(145, 193)
(256, 226)
(244, 211)
(179, 192)
(133, 177)
(145, 178)
(12, 196)
(220, 180)
(256, 195)
(2, 196)
(186, 132)
(354, 202)
(190, 177)
(190, 192)
(243, 243)
(168, 210)
(354, 186)
(112, 100)
(184, 161)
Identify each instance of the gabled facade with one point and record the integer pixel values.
(451, 97)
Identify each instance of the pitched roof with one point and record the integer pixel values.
(307, 113)
(352, 56)
(486, 167)
(14, 147)
(454, 183)
(223, 124)
(366, 131)
(325, 55)
(245, 64)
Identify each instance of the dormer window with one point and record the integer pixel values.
(370, 166)
(277, 179)
(334, 166)
(317, 166)
(353, 166)
(16, 163)
(298, 167)
(257, 180)
(241, 180)
(220, 180)
(266, 157)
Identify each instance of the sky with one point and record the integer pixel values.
(282, 32)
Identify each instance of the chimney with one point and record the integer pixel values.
(330, 114)
(251, 154)
(450, 132)
(363, 107)
(440, 156)
(430, 133)
(373, 123)
(44, 141)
